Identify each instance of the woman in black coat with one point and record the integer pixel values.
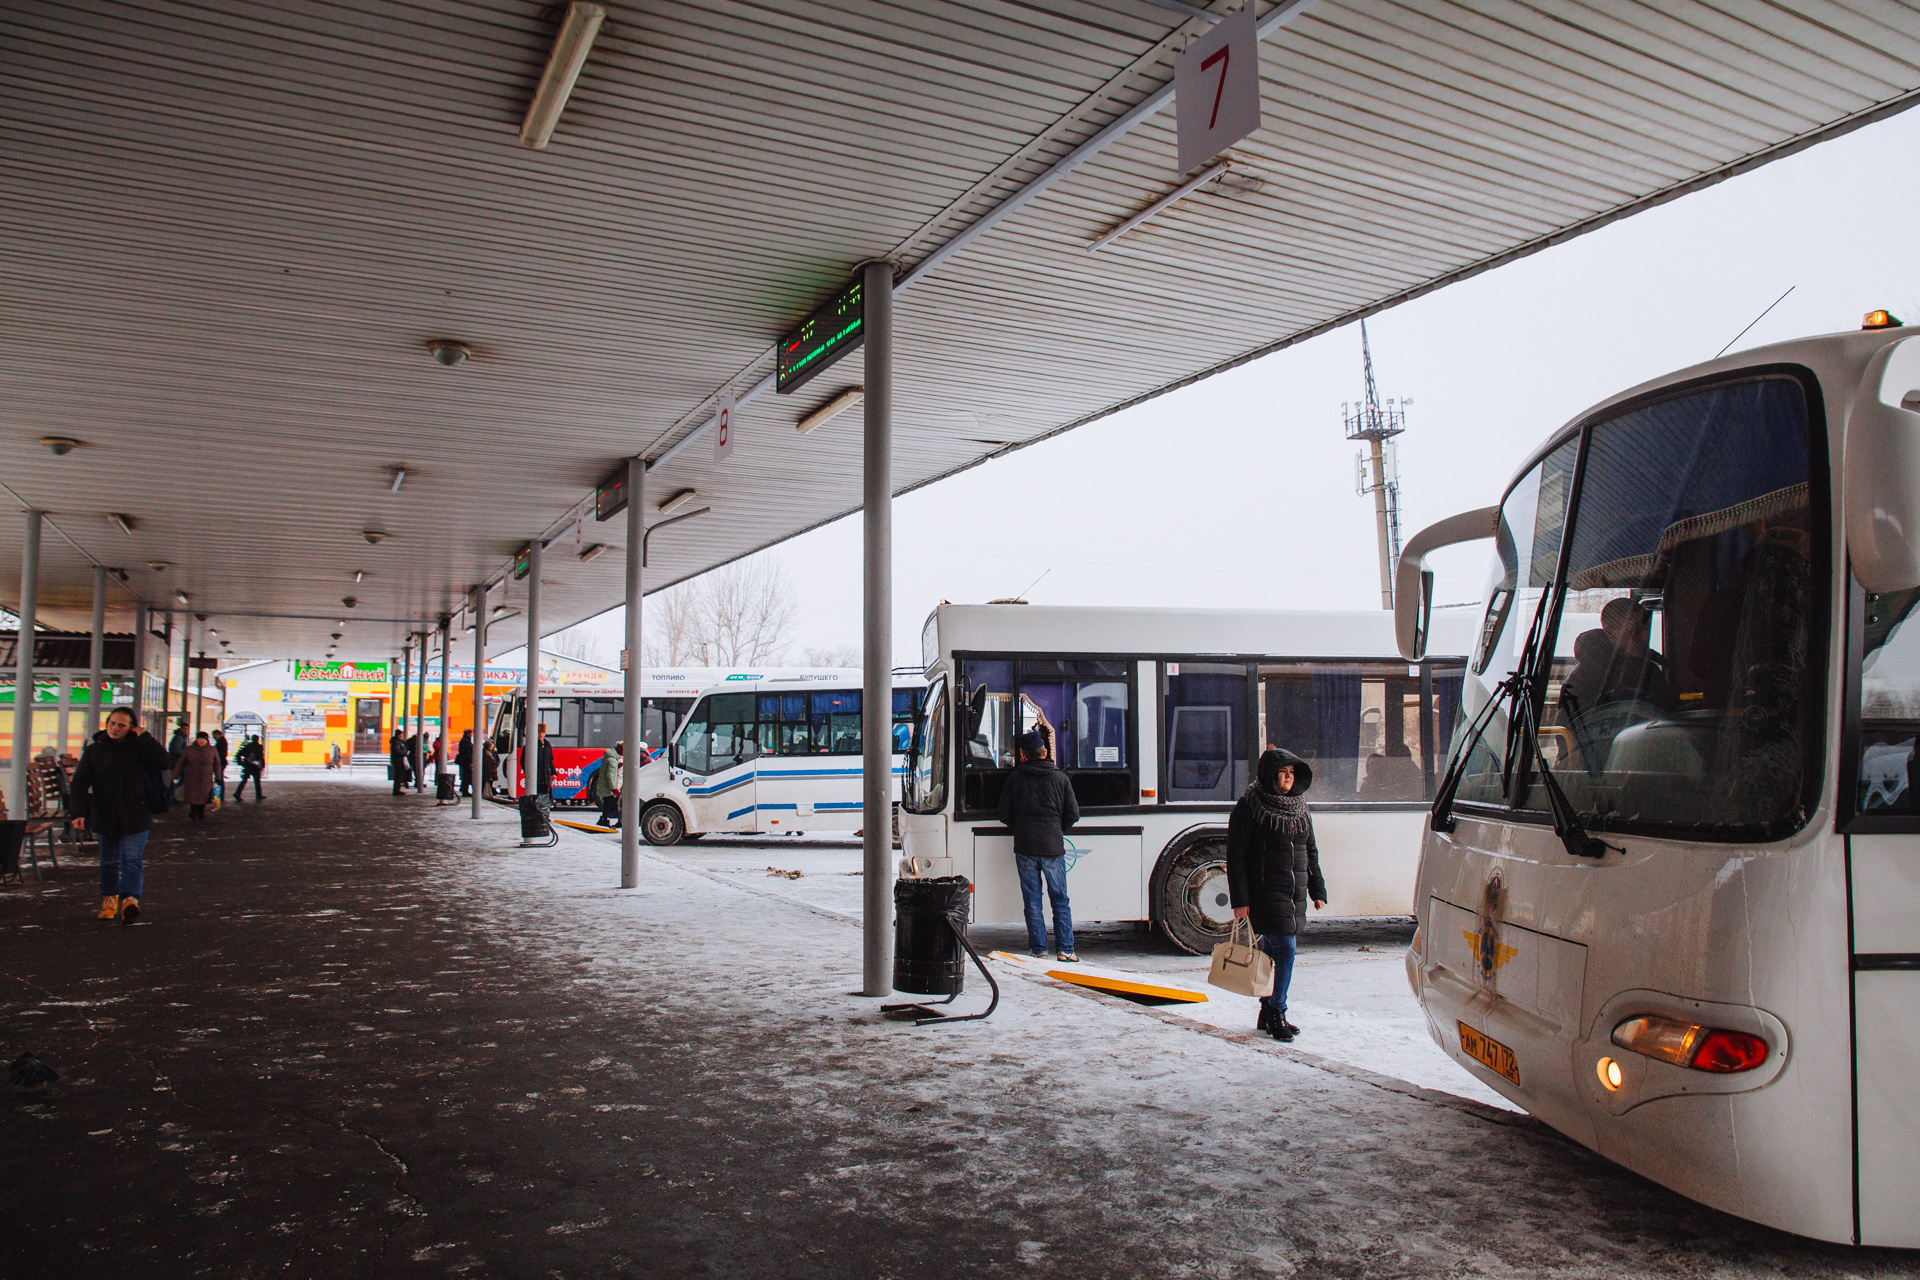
(114, 787)
(1273, 871)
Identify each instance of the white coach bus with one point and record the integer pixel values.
(1670, 890)
(769, 757)
(1158, 716)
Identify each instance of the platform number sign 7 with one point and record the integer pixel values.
(1217, 89)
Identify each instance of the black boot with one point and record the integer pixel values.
(1280, 1029)
(1266, 1018)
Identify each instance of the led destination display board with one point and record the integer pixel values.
(820, 339)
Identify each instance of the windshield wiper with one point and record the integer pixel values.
(1522, 749)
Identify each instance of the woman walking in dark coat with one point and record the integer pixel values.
(118, 777)
(1273, 871)
(195, 771)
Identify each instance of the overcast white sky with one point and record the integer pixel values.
(1238, 492)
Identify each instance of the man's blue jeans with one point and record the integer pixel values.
(1054, 870)
(123, 866)
(1281, 947)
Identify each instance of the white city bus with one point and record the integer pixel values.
(583, 718)
(1157, 716)
(769, 757)
(1670, 890)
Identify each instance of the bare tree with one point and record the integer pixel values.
(836, 655)
(738, 616)
(578, 642)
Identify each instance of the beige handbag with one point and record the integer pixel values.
(1241, 966)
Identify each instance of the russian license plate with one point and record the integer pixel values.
(1489, 1052)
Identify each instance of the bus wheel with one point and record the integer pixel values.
(662, 824)
(1192, 905)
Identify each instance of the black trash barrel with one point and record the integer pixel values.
(533, 816)
(927, 956)
(443, 787)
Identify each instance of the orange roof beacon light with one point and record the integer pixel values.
(1880, 320)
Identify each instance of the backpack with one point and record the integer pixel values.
(159, 792)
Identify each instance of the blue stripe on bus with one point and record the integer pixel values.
(714, 791)
(737, 812)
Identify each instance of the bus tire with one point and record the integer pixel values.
(1190, 894)
(662, 824)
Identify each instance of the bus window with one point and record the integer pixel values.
(600, 722)
(925, 788)
(1688, 698)
(1358, 724)
(906, 712)
(1206, 734)
(836, 723)
(1889, 704)
(785, 729)
(1080, 706)
(721, 732)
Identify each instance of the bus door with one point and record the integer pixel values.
(716, 758)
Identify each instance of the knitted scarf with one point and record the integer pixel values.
(1286, 814)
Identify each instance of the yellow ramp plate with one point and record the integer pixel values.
(582, 826)
(1083, 975)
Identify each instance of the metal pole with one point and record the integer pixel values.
(446, 716)
(406, 692)
(190, 716)
(23, 670)
(199, 694)
(63, 714)
(166, 679)
(96, 675)
(633, 722)
(477, 601)
(420, 723)
(140, 626)
(1380, 518)
(876, 701)
(530, 748)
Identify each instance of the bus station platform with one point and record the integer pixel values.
(359, 1035)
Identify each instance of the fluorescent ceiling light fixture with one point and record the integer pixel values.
(123, 523)
(182, 597)
(677, 501)
(399, 478)
(1173, 197)
(831, 409)
(359, 574)
(592, 552)
(570, 48)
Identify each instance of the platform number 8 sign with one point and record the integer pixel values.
(723, 430)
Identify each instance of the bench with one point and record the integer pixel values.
(47, 816)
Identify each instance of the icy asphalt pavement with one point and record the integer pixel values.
(361, 1036)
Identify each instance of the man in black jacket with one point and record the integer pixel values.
(115, 785)
(1038, 805)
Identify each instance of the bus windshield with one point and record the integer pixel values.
(925, 787)
(1688, 696)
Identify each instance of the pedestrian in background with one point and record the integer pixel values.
(253, 764)
(220, 771)
(195, 771)
(115, 788)
(1038, 805)
(1273, 871)
(490, 775)
(544, 782)
(604, 787)
(176, 747)
(463, 762)
(399, 766)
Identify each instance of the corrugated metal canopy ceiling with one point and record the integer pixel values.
(229, 228)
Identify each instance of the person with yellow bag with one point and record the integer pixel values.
(1273, 872)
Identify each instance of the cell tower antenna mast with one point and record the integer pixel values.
(1377, 471)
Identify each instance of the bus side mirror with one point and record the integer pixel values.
(1880, 471)
(1413, 609)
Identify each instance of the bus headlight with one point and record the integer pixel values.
(1609, 1072)
(1688, 1044)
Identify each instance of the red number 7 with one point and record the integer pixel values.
(1220, 56)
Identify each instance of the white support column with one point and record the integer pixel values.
(477, 603)
(23, 670)
(63, 715)
(406, 694)
(530, 746)
(97, 657)
(420, 723)
(446, 715)
(199, 692)
(633, 722)
(876, 703)
(141, 623)
(190, 715)
(166, 682)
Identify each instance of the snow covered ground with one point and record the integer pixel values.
(1349, 996)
